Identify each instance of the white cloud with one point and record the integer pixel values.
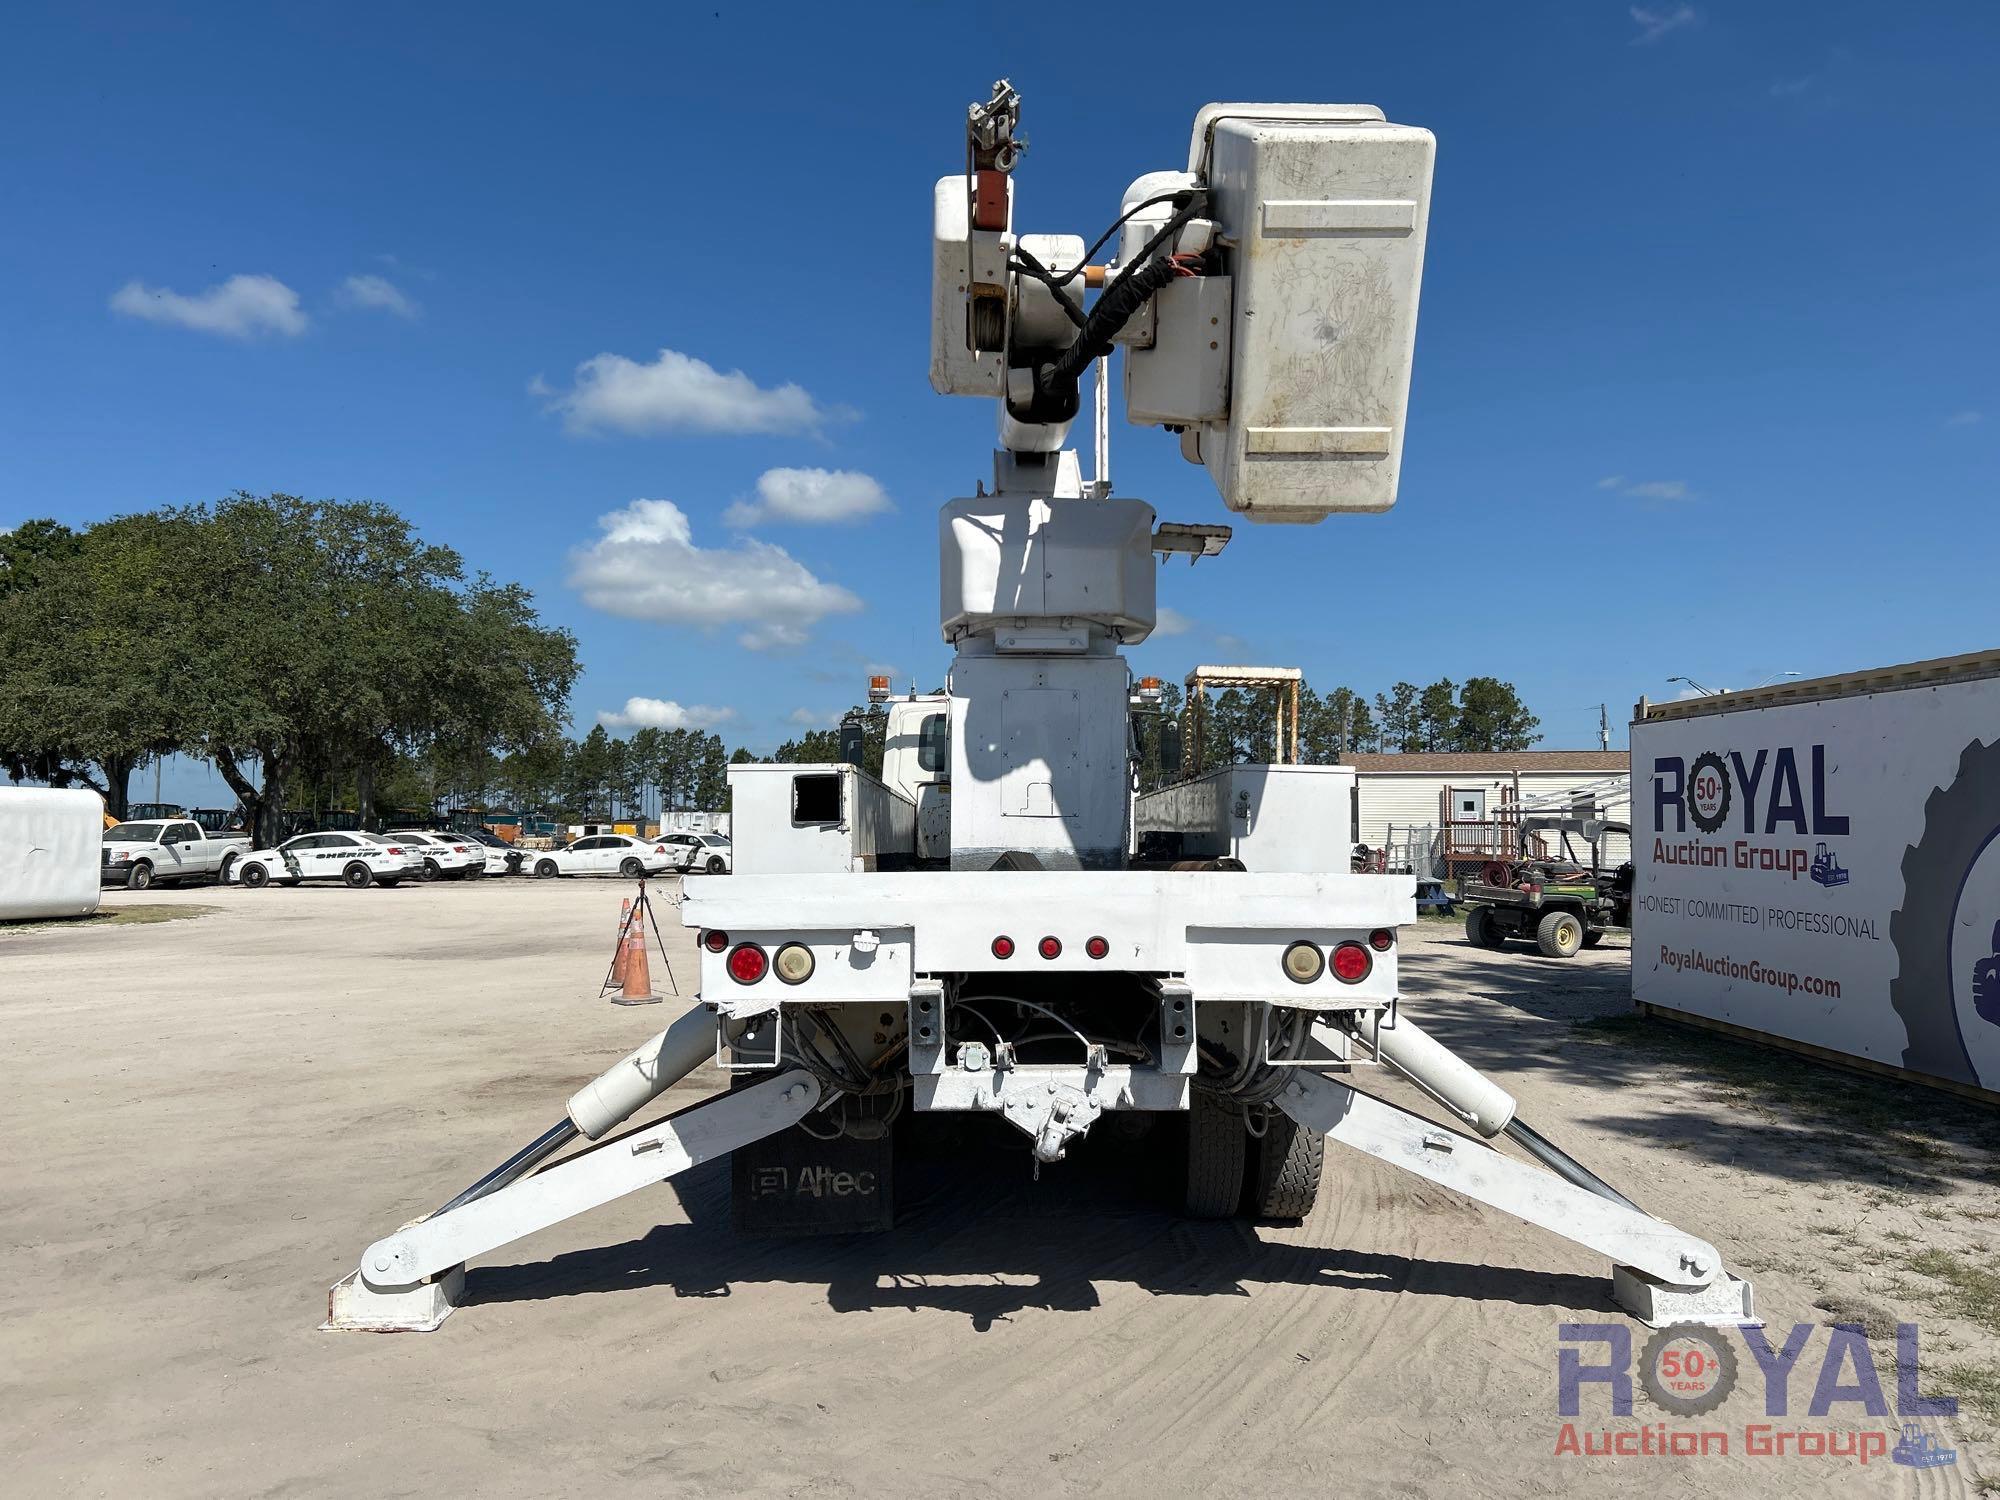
(808, 718)
(663, 713)
(678, 393)
(377, 293)
(240, 308)
(1965, 419)
(809, 496)
(1648, 489)
(646, 566)
(1168, 622)
(1654, 24)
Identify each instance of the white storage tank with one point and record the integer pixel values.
(51, 846)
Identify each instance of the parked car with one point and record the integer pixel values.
(168, 852)
(702, 853)
(502, 858)
(358, 859)
(442, 853)
(608, 854)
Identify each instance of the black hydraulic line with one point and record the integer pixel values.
(1565, 1166)
(530, 1156)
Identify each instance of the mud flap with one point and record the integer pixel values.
(795, 1183)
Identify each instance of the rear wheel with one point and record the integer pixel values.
(430, 870)
(228, 864)
(256, 877)
(1481, 930)
(357, 875)
(1218, 1151)
(140, 878)
(631, 869)
(1285, 1172)
(1559, 935)
(547, 870)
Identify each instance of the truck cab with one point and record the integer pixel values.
(916, 763)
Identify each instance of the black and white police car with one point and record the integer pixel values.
(355, 859)
(442, 854)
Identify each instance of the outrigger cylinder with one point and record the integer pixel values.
(610, 1099)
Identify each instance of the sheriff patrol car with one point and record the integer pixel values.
(355, 859)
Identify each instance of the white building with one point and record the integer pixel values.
(1465, 806)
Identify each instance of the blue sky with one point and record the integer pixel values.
(1705, 369)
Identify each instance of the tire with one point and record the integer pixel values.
(547, 870)
(1559, 935)
(1961, 819)
(228, 864)
(1481, 931)
(430, 870)
(717, 865)
(1592, 939)
(141, 877)
(1285, 1170)
(255, 877)
(631, 869)
(357, 876)
(1218, 1154)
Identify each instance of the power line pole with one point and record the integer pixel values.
(1603, 727)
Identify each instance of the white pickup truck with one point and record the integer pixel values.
(137, 855)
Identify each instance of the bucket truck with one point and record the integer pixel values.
(1031, 965)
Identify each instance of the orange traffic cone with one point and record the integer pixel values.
(638, 971)
(624, 943)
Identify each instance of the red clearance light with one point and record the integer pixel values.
(1050, 947)
(1096, 947)
(747, 963)
(1381, 939)
(715, 940)
(1351, 963)
(1003, 947)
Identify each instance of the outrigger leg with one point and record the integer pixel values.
(411, 1280)
(1660, 1274)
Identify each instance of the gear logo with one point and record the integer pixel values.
(1708, 791)
(1947, 984)
(1687, 1369)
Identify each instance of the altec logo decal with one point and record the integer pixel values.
(1760, 796)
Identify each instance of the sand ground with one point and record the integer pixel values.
(204, 1120)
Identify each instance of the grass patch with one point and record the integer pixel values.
(1970, 1292)
(117, 916)
(1977, 1388)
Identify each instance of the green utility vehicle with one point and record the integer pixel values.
(1560, 905)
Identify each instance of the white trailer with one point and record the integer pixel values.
(1266, 297)
(49, 852)
(1817, 864)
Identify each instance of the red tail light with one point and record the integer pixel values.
(1050, 947)
(1351, 963)
(1003, 947)
(1096, 947)
(1381, 939)
(747, 963)
(394, 850)
(715, 940)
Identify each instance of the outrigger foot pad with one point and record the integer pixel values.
(1726, 1302)
(353, 1306)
